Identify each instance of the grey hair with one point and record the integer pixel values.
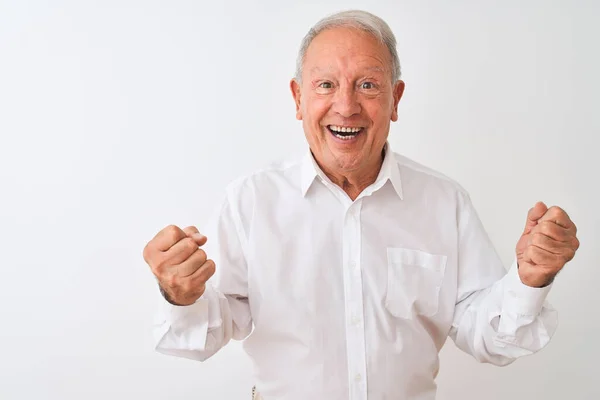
(358, 19)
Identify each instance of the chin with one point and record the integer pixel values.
(348, 161)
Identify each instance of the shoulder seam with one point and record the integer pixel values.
(406, 162)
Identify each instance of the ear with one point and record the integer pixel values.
(295, 88)
(397, 92)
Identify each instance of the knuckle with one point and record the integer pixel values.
(546, 227)
(554, 209)
(195, 259)
(533, 252)
(172, 281)
(537, 239)
(172, 228)
(161, 265)
(201, 255)
(172, 232)
(186, 286)
(559, 231)
(210, 267)
(150, 252)
(147, 253)
(189, 245)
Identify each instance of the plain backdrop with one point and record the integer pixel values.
(120, 117)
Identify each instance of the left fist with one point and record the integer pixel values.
(548, 242)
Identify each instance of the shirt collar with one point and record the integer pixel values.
(389, 172)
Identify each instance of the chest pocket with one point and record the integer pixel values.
(414, 279)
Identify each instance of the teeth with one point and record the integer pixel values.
(345, 137)
(344, 129)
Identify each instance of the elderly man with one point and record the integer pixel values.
(344, 272)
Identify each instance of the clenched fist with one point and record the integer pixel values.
(548, 242)
(180, 265)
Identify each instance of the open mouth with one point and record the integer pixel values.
(344, 132)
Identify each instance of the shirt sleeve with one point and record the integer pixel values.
(222, 313)
(497, 318)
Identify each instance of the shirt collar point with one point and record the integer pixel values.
(389, 169)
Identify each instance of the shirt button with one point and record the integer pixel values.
(357, 378)
(355, 321)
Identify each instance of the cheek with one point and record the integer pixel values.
(316, 109)
(376, 115)
(379, 112)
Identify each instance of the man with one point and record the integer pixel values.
(345, 272)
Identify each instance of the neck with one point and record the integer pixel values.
(354, 182)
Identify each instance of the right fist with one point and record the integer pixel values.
(179, 264)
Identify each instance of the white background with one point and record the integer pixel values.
(120, 117)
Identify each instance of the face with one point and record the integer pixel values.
(346, 100)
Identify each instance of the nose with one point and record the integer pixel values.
(345, 102)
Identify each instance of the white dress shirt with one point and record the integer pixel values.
(339, 299)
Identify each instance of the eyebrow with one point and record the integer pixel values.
(376, 69)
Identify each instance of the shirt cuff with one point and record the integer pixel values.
(522, 299)
(180, 327)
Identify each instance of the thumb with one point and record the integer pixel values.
(192, 232)
(534, 214)
(199, 238)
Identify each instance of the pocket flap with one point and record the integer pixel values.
(435, 262)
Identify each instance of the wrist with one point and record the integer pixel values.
(535, 280)
(177, 301)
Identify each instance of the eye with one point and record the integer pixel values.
(367, 85)
(325, 85)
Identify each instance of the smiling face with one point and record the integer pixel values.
(346, 100)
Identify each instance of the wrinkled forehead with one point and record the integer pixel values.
(348, 49)
(367, 67)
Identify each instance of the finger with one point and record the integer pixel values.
(203, 273)
(540, 256)
(558, 216)
(180, 251)
(534, 215)
(190, 230)
(553, 231)
(193, 232)
(192, 263)
(575, 243)
(167, 237)
(194, 284)
(546, 243)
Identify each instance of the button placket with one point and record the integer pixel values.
(355, 338)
